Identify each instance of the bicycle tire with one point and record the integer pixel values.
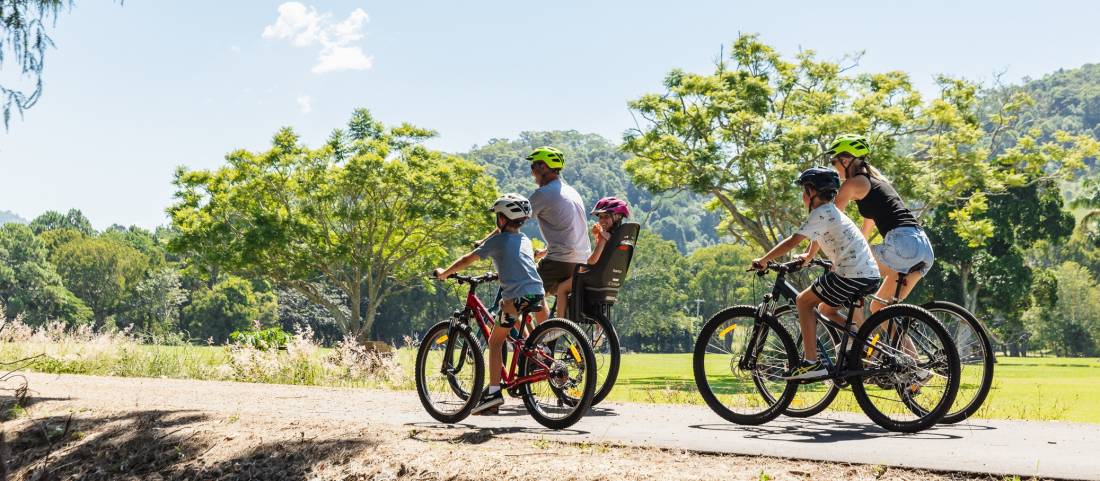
(964, 408)
(699, 355)
(947, 362)
(605, 383)
(427, 344)
(581, 405)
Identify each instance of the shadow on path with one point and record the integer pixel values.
(824, 431)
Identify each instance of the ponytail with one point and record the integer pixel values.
(866, 168)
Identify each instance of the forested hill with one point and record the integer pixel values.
(594, 168)
(7, 216)
(1067, 100)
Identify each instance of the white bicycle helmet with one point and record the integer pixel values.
(512, 206)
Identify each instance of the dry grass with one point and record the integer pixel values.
(170, 445)
(54, 348)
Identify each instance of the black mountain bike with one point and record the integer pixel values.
(903, 367)
(976, 356)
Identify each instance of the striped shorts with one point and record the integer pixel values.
(838, 291)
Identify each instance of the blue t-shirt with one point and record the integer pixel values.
(515, 262)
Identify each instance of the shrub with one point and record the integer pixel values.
(270, 338)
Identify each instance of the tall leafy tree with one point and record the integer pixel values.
(230, 305)
(741, 134)
(368, 213)
(102, 272)
(652, 312)
(29, 284)
(52, 220)
(24, 41)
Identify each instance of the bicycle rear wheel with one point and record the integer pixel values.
(813, 397)
(450, 372)
(976, 358)
(736, 358)
(914, 368)
(605, 345)
(559, 350)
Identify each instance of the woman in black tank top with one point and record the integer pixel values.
(881, 206)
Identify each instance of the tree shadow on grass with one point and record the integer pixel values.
(154, 445)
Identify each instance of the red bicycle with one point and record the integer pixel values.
(552, 368)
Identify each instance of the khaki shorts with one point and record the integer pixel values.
(554, 273)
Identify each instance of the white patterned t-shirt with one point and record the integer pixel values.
(841, 242)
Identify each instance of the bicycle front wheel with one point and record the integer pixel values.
(450, 371)
(558, 353)
(738, 354)
(911, 369)
(976, 358)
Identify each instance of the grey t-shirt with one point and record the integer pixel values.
(561, 216)
(514, 260)
(841, 242)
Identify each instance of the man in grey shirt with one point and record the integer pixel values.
(561, 216)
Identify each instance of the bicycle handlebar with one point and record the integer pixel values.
(472, 280)
(792, 266)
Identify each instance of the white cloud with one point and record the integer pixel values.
(303, 26)
(336, 59)
(297, 22)
(305, 104)
(235, 49)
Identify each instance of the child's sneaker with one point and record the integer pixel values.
(808, 370)
(489, 401)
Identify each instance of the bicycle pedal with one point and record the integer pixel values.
(514, 392)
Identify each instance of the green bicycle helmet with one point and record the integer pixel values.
(853, 144)
(553, 158)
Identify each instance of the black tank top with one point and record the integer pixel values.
(883, 205)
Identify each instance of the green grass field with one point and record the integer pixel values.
(1037, 388)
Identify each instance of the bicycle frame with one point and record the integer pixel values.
(838, 368)
(475, 310)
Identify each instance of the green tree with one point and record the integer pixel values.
(718, 277)
(232, 304)
(29, 284)
(1072, 326)
(23, 25)
(742, 133)
(652, 312)
(153, 305)
(73, 219)
(368, 213)
(994, 279)
(101, 272)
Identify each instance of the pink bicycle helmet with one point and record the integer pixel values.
(611, 205)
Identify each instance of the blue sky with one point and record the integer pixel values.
(133, 91)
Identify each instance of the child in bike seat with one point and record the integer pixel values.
(522, 289)
(854, 272)
(609, 212)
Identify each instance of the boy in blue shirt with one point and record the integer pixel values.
(520, 283)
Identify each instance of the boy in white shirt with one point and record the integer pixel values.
(854, 273)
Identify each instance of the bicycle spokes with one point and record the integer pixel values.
(741, 355)
(448, 371)
(909, 368)
(559, 367)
